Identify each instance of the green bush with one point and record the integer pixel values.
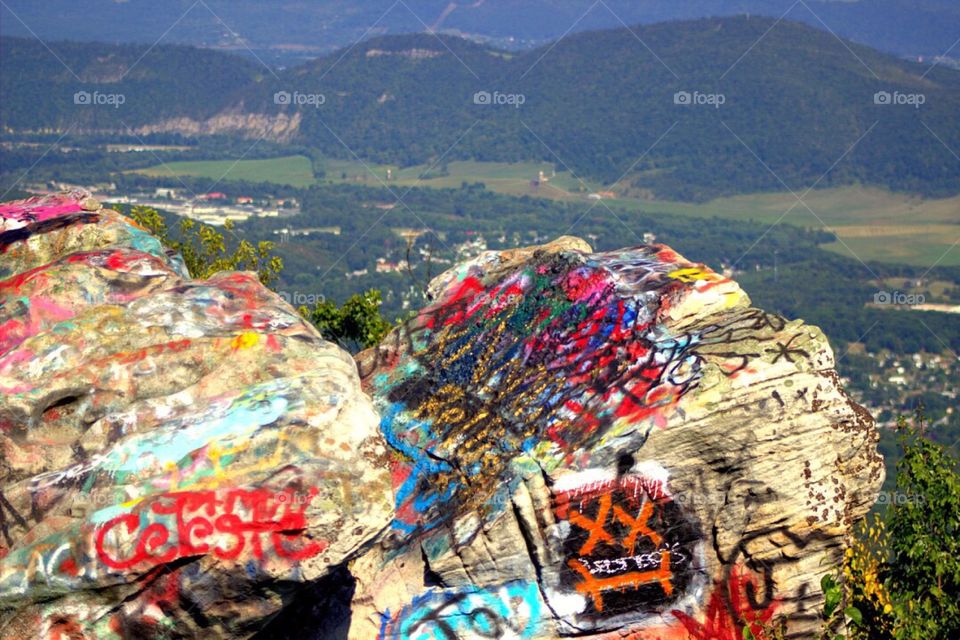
(357, 324)
(924, 524)
(204, 249)
(901, 570)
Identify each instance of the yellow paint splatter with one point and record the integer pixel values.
(692, 274)
(130, 504)
(245, 340)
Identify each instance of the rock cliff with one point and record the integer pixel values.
(563, 443)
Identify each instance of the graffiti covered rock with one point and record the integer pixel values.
(563, 443)
(607, 442)
(177, 455)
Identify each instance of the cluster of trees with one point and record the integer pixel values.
(900, 576)
(169, 81)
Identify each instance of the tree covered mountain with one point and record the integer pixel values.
(905, 27)
(39, 81)
(687, 110)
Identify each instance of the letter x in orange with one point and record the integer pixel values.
(637, 526)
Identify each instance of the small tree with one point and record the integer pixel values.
(901, 570)
(924, 525)
(204, 248)
(357, 324)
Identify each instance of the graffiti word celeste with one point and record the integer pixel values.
(225, 524)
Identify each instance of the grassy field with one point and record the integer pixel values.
(291, 170)
(504, 177)
(871, 223)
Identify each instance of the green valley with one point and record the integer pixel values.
(870, 223)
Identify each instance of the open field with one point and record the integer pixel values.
(510, 178)
(870, 223)
(504, 177)
(919, 247)
(290, 170)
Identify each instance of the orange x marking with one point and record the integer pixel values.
(593, 527)
(637, 525)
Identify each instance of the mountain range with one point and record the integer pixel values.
(285, 30)
(687, 110)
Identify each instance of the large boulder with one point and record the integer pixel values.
(563, 443)
(178, 456)
(607, 443)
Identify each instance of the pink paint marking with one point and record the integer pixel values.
(19, 213)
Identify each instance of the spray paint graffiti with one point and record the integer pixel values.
(39, 230)
(8, 517)
(746, 335)
(235, 519)
(511, 610)
(542, 360)
(164, 438)
(629, 549)
(20, 213)
(732, 609)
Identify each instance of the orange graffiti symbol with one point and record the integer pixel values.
(594, 586)
(637, 525)
(593, 527)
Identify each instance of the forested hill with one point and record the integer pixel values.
(285, 27)
(786, 105)
(38, 82)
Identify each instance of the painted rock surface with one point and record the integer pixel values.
(178, 456)
(565, 443)
(607, 445)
